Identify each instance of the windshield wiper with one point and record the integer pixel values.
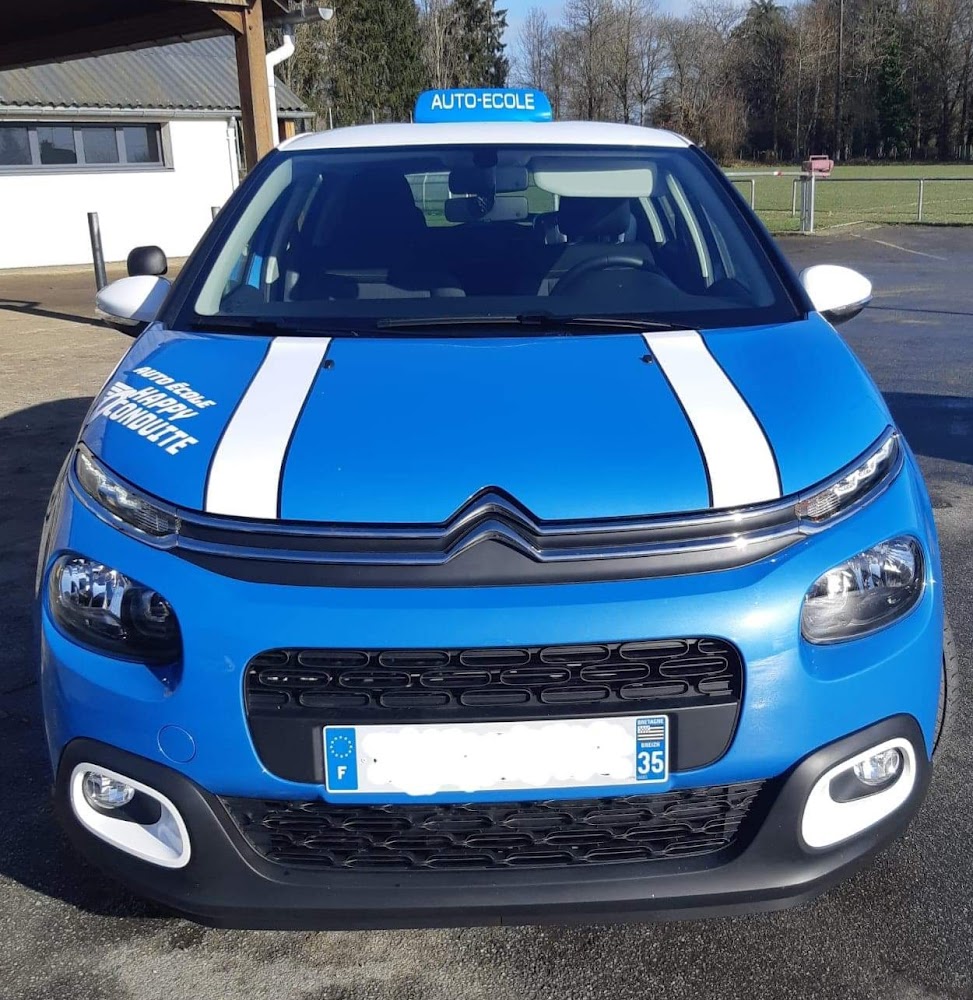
(265, 324)
(534, 320)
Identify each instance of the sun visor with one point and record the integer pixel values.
(610, 179)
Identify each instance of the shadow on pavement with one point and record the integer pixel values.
(33, 851)
(935, 426)
(34, 309)
(906, 309)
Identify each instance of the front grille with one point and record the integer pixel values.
(555, 833)
(377, 685)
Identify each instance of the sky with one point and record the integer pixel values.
(517, 10)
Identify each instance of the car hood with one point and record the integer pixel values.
(407, 430)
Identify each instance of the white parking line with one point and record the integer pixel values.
(895, 246)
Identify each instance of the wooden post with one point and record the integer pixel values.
(251, 64)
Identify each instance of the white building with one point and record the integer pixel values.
(145, 138)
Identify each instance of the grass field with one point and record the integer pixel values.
(877, 194)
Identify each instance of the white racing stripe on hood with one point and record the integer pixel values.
(244, 474)
(740, 463)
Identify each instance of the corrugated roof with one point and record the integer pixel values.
(186, 76)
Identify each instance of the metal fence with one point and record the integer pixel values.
(796, 201)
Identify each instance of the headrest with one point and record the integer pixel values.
(380, 199)
(593, 218)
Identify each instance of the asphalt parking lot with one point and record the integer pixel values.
(901, 929)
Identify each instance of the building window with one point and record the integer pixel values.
(69, 146)
(56, 144)
(14, 146)
(100, 145)
(142, 143)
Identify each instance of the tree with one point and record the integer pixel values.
(437, 24)
(764, 42)
(533, 50)
(377, 66)
(587, 23)
(892, 101)
(477, 37)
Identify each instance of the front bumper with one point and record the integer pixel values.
(226, 883)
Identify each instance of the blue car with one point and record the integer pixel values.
(487, 525)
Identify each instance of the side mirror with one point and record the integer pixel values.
(130, 304)
(838, 293)
(147, 260)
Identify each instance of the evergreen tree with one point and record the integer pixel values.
(764, 41)
(479, 29)
(892, 101)
(377, 65)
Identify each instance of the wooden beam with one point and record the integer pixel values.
(274, 7)
(251, 62)
(231, 17)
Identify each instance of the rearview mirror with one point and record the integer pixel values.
(130, 304)
(838, 293)
(507, 208)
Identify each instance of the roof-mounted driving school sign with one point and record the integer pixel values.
(483, 105)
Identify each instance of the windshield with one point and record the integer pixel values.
(360, 239)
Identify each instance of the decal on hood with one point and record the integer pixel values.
(152, 413)
(244, 476)
(741, 468)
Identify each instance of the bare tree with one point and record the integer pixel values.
(436, 20)
(587, 23)
(533, 50)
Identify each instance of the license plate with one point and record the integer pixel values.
(629, 752)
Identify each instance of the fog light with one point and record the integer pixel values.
(129, 815)
(880, 768)
(858, 793)
(103, 792)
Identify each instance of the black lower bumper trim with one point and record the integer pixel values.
(227, 883)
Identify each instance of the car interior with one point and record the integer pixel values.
(607, 233)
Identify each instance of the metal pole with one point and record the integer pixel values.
(811, 184)
(838, 86)
(97, 254)
(922, 186)
(330, 119)
(794, 196)
(753, 192)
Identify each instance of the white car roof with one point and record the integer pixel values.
(471, 133)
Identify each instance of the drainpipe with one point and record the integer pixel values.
(274, 59)
(234, 153)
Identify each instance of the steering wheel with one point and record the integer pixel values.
(604, 263)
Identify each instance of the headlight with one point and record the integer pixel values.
(865, 593)
(879, 463)
(121, 500)
(102, 608)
